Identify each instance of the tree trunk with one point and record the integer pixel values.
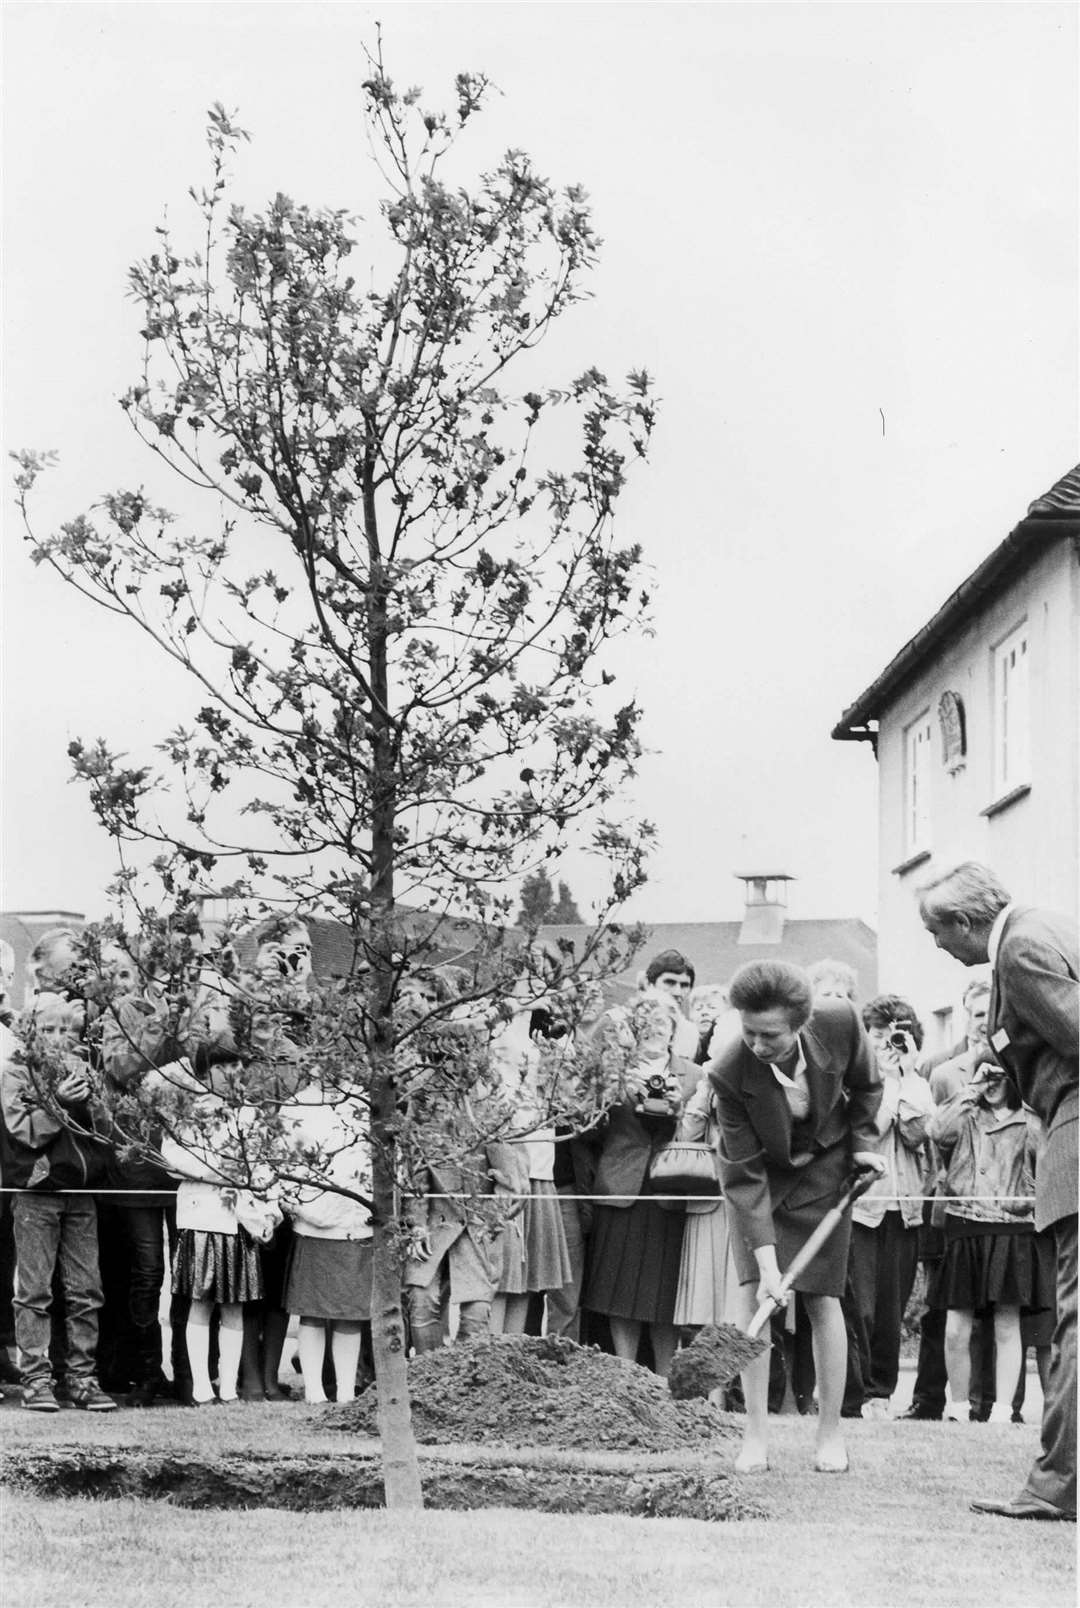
(401, 1466)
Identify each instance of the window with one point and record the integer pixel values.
(1012, 713)
(918, 752)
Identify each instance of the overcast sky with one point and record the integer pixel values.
(844, 239)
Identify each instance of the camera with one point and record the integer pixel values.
(899, 1038)
(654, 1100)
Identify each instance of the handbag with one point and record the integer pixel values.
(684, 1167)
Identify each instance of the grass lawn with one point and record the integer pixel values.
(894, 1531)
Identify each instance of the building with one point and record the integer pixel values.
(974, 725)
(716, 949)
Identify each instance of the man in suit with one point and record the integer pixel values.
(797, 1096)
(1034, 1029)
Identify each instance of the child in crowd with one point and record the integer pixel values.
(328, 1280)
(993, 1257)
(219, 1231)
(50, 1130)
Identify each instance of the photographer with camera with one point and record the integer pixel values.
(994, 1260)
(636, 1244)
(884, 1254)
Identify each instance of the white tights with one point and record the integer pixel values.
(230, 1345)
(344, 1348)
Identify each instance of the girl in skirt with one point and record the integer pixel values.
(994, 1260)
(220, 1228)
(328, 1282)
(531, 1253)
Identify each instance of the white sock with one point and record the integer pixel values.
(197, 1339)
(311, 1349)
(346, 1353)
(230, 1345)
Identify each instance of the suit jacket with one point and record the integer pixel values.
(1035, 1004)
(757, 1165)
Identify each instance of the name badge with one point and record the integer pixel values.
(1000, 1039)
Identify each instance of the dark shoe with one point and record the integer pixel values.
(39, 1398)
(1023, 1507)
(1017, 1416)
(979, 1415)
(89, 1396)
(922, 1413)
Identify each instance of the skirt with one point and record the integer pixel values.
(995, 1264)
(633, 1264)
(530, 1254)
(707, 1275)
(217, 1267)
(826, 1274)
(329, 1279)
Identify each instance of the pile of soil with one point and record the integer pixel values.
(526, 1391)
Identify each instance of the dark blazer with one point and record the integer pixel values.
(757, 1166)
(1034, 1028)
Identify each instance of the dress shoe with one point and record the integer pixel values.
(924, 1414)
(1023, 1506)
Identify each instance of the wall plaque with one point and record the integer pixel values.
(953, 731)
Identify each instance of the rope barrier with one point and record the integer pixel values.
(556, 1195)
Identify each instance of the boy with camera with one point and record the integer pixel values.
(885, 1226)
(51, 1131)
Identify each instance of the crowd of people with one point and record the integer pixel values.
(782, 1076)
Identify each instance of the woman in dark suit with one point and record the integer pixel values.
(636, 1245)
(796, 1099)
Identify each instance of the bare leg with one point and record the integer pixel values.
(958, 1357)
(1008, 1362)
(830, 1365)
(753, 1457)
(625, 1335)
(664, 1337)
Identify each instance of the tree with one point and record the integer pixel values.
(540, 907)
(396, 608)
(565, 912)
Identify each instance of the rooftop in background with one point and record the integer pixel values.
(716, 949)
(1052, 517)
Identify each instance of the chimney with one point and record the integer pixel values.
(766, 906)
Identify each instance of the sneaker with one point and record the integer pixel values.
(89, 1396)
(39, 1398)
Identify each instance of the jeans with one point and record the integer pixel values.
(131, 1245)
(51, 1230)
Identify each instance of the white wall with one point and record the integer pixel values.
(1034, 843)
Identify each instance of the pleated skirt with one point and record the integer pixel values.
(531, 1254)
(707, 1274)
(217, 1267)
(996, 1265)
(633, 1265)
(329, 1279)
